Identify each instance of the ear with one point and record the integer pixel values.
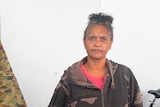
(84, 44)
(110, 46)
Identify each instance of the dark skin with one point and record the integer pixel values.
(97, 44)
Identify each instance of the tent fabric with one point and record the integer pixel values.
(10, 93)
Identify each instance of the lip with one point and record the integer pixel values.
(96, 50)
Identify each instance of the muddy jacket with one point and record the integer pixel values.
(75, 90)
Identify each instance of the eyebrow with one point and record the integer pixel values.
(104, 35)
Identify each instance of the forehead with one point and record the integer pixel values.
(98, 29)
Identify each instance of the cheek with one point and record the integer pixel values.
(86, 45)
(108, 47)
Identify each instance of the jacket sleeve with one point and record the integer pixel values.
(136, 96)
(60, 97)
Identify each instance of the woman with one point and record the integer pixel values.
(96, 81)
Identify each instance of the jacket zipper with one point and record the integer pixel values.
(102, 97)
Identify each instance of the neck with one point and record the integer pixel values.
(96, 67)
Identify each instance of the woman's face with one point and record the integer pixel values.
(97, 42)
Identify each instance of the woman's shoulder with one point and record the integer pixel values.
(122, 68)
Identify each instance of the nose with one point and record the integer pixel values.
(97, 42)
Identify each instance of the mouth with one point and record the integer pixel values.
(96, 50)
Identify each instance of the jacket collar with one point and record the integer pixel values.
(74, 75)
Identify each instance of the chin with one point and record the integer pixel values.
(96, 57)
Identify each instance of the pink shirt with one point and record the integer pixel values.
(97, 81)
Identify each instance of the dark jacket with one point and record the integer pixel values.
(75, 90)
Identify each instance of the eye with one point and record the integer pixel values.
(104, 39)
(91, 38)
